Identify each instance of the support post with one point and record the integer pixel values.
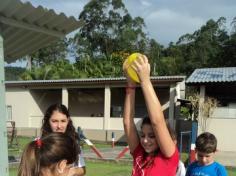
(3, 129)
(193, 140)
(113, 139)
(172, 106)
(65, 97)
(107, 108)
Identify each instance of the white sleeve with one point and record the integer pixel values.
(181, 171)
(81, 162)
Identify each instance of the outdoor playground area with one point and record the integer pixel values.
(95, 166)
(76, 59)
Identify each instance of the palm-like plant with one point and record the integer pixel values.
(202, 111)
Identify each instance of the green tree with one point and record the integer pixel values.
(227, 56)
(109, 28)
(12, 73)
(109, 35)
(202, 48)
(61, 69)
(169, 66)
(51, 53)
(101, 67)
(154, 52)
(233, 24)
(172, 61)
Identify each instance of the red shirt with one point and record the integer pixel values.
(157, 165)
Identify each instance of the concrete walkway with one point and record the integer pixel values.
(107, 154)
(110, 154)
(225, 158)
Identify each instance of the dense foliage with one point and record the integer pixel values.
(12, 73)
(110, 34)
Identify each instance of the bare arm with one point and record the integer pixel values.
(128, 116)
(156, 115)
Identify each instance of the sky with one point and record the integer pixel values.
(166, 20)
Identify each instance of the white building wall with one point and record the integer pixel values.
(116, 123)
(94, 123)
(222, 124)
(23, 107)
(97, 123)
(224, 130)
(87, 109)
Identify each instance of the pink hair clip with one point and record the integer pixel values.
(38, 142)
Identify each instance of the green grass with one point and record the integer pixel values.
(12, 171)
(98, 168)
(105, 168)
(22, 141)
(184, 156)
(17, 149)
(101, 168)
(231, 171)
(98, 145)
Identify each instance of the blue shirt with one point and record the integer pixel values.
(214, 169)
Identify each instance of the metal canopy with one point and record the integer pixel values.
(23, 30)
(26, 28)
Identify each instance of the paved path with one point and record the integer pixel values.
(225, 158)
(108, 153)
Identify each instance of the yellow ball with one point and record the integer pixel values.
(131, 72)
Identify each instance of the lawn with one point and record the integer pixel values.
(114, 169)
(17, 149)
(231, 171)
(98, 168)
(105, 168)
(22, 141)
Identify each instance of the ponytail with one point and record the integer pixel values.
(30, 164)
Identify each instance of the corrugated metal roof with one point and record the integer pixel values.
(91, 80)
(25, 28)
(212, 75)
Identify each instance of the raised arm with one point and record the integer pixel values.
(128, 116)
(155, 112)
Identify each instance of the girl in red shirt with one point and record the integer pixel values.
(154, 152)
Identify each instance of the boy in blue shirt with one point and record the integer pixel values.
(205, 165)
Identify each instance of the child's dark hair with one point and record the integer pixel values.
(206, 143)
(46, 153)
(147, 121)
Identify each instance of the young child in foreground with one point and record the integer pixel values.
(205, 165)
(51, 155)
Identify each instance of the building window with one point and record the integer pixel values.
(9, 112)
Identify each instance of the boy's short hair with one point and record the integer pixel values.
(206, 143)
